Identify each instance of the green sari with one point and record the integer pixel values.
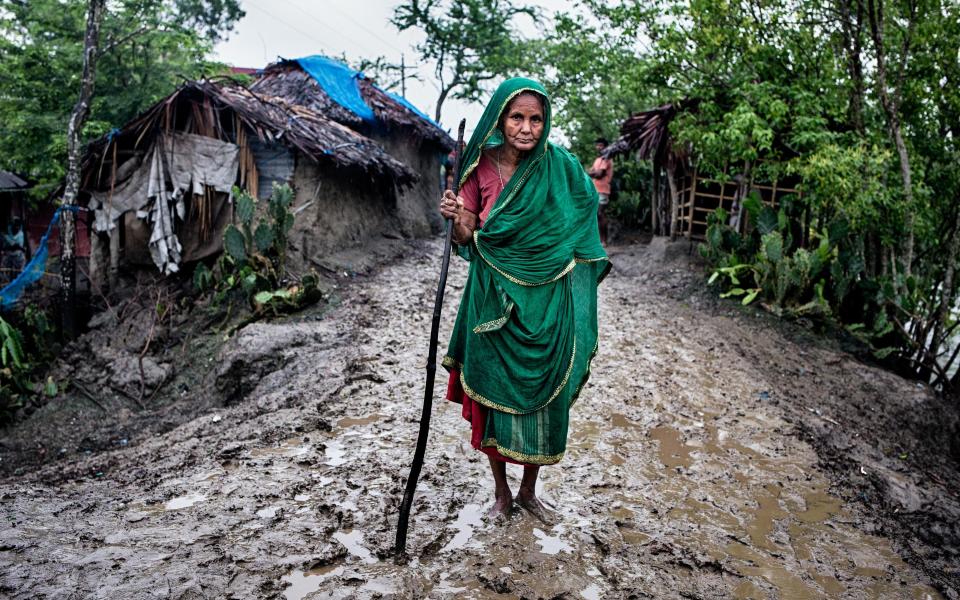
(526, 330)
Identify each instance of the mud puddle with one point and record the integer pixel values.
(679, 481)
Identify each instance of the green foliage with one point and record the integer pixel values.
(631, 205)
(146, 49)
(235, 244)
(275, 302)
(766, 263)
(470, 42)
(263, 237)
(254, 261)
(203, 279)
(11, 348)
(791, 89)
(24, 350)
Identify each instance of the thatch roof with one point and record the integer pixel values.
(228, 111)
(287, 79)
(647, 133)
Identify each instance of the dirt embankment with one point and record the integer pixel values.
(714, 454)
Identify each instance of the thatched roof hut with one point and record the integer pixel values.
(228, 111)
(160, 186)
(682, 200)
(350, 98)
(317, 83)
(648, 134)
(9, 182)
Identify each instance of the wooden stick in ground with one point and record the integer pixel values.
(401, 543)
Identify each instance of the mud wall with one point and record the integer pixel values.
(338, 211)
(416, 206)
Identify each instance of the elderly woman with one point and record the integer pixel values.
(526, 331)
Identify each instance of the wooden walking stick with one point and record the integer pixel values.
(401, 543)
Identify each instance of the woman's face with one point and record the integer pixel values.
(523, 122)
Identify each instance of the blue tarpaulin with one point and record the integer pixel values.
(34, 270)
(339, 82)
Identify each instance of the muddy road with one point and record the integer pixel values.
(698, 466)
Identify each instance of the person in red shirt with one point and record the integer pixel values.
(602, 174)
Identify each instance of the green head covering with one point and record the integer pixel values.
(487, 132)
(526, 329)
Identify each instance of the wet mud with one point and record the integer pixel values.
(697, 467)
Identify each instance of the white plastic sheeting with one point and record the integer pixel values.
(176, 165)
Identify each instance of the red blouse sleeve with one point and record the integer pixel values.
(470, 192)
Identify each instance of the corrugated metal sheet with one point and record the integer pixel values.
(275, 163)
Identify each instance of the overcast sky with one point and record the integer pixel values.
(358, 28)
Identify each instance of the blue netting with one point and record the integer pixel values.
(339, 82)
(34, 270)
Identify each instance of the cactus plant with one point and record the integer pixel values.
(234, 244)
(255, 256)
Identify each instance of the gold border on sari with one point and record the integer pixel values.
(496, 323)
(533, 459)
(480, 399)
(557, 277)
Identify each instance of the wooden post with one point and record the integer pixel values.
(743, 186)
(674, 198)
(68, 233)
(654, 208)
(692, 203)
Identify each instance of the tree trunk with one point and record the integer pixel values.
(946, 302)
(81, 110)
(443, 96)
(891, 106)
(852, 30)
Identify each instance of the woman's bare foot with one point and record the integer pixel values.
(501, 506)
(501, 490)
(527, 499)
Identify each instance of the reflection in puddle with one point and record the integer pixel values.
(354, 421)
(268, 512)
(447, 587)
(789, 585)
(184, 501)
(336, 454)
(591, 592)
(673, 452)
(468, 519)
(550, 544)
(820, 507)
(351, 539)
(304, 583)
(287, 448)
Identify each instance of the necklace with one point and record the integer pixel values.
(499, 174)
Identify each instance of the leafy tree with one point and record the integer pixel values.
(469, 41)
(860, 99)
(388, 75)
(146, 49)
(594, 78)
